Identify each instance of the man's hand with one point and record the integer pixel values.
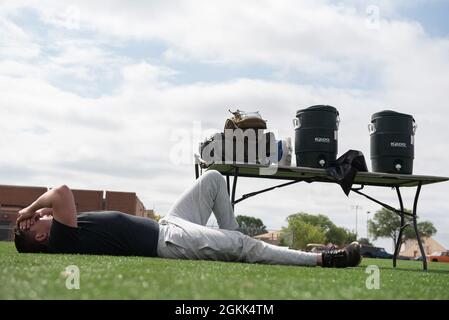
(26, 219)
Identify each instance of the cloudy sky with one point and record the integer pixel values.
(117, 94)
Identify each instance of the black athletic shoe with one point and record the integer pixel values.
(347, 257)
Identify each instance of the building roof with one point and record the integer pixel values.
(410, 248)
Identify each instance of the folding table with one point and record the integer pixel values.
(362, 179)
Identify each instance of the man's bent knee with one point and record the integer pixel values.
(215, 179)
(213, 175)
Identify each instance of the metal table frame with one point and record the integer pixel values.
(309, 175)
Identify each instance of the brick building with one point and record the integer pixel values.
(88, 200)
(14, 198)
(124, 201)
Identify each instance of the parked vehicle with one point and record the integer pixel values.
(368, 251)
(439, 256)
(374, 252)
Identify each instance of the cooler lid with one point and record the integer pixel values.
(320, 108)
(389, 113)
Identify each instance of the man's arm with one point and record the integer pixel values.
(45, 212)
(60, 200)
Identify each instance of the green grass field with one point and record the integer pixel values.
(39, 276)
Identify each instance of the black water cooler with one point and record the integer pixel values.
(392, 142)
(316, 136)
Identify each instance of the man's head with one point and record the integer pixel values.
(34, 239)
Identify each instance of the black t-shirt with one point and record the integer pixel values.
(106, 233)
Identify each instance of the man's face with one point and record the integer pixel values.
(41, 227)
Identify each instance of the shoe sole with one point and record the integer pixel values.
(356, 246)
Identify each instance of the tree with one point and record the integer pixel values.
(333, 234)
(251, 226)
(318, 220)
(386, 224)
(299, 233)
(365, 241)
(425, 229)
(340, 236)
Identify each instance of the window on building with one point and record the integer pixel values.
(5, 230)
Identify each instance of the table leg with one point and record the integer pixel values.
(228, 184)
(401, 228)
(197, 170)
(234, 185)
(415, 227)
(402, 214)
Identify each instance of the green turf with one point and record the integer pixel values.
(40, 276)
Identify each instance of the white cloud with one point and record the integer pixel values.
(144, 74)
(15, 43)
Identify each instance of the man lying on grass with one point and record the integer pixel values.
(51, 225)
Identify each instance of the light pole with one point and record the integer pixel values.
(367, 224)
(356, 207)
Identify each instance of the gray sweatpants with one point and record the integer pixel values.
(183, 234)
